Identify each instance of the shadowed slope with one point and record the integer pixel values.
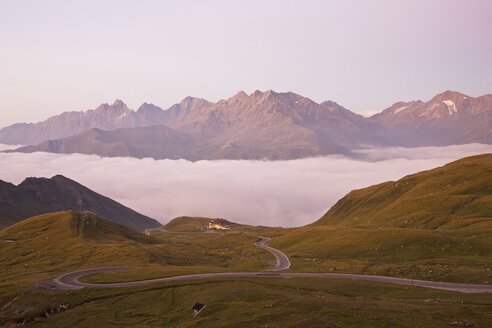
(36, 196)
(155, 141)
(15, 205)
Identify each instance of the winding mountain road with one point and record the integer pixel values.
(69, 281)
(283, 262)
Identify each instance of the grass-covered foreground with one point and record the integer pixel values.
(435, 225)
(243, 302)
(263, 303)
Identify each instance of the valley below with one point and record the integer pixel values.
(246, 164)
(368, 262)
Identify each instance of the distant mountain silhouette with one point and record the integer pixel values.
(448, 118)
(105, 117)
(154, 141)
(35, 196)
(270, 125)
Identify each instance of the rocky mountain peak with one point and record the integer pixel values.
(448, 95)
(59, 177)
(329, 103)
(187, 99)
(240, 94)
(271, 95)
(118, 103)
(333, 106)
(193, 103)
(146, 107)
(254, 118)
(117, 106)
(257, 93)
(29, 180)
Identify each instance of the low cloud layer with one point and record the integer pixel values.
(278, 193)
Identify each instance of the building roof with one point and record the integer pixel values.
(198, 306)
(219, 222)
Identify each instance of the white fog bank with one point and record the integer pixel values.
(277, 193)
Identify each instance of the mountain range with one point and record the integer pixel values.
(35, 196)
(262, 125)
(448, 118)
(104, 117)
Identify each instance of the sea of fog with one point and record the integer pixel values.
(274, 193)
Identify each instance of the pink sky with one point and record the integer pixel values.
(73, 55)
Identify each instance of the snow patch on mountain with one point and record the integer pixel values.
(122, 115)
(451, 106)
(399, 109)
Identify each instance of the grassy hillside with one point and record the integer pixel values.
(36, 196)
(55, 243)
(434, 225)
(456, 195)
(197, 224)
(264, 303)
(364, 233)
(193, 224)
(48, 245)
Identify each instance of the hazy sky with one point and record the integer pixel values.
(73, 55)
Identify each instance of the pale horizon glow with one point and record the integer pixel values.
(62, 55)
(272, 193)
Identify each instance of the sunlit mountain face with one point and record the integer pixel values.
(262, 125)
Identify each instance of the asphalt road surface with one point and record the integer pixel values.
(69, 281)
(283, 262)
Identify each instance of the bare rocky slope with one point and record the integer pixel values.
(105, 117)
(268, 125)
(448, 118)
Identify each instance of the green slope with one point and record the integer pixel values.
(193, 224)
(456, 195)
(453, 245)
(434, 225)
(57, 241)
(49, 245)
(46, 246)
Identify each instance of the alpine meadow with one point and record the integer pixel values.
(246, 164)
